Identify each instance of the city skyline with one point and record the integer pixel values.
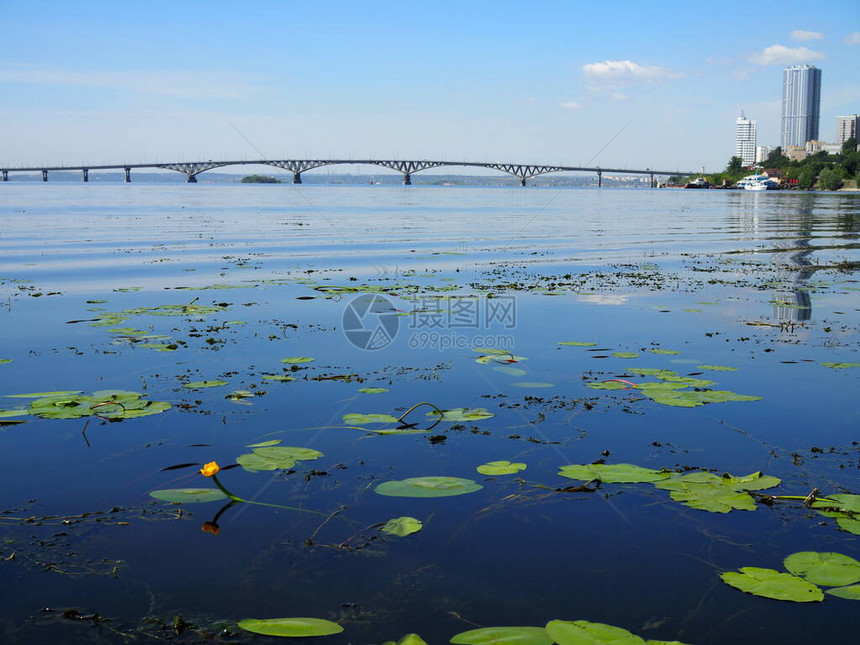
(565, 83)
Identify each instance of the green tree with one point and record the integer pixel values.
(806, 178)
(829, 180)
(776, 159)
(849, 146)
(735, 165)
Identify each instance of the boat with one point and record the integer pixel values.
(701, 182)
(758, 182)
(760, 185)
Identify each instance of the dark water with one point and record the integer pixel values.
(764, 283)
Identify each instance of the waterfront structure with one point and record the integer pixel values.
(745, 132)
(847, 127)
(801, 104)
(763, 152)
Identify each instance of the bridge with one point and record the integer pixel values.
(297, 166)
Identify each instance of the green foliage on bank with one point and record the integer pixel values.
(821, 171)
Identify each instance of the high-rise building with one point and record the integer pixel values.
(801, 103)
(745, 140)
(763, 152)
(847, 127)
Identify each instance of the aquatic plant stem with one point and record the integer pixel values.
(236, 498)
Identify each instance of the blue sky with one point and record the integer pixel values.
(622, 84)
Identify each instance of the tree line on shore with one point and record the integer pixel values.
(820, 170)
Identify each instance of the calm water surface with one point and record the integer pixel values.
(763, 283)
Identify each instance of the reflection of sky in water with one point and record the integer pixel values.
(679, 270)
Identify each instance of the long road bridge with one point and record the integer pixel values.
(297, 166)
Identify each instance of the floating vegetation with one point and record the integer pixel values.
(583, 632)
(459, 415)
(665, 352)
(189, 495)
(199, 385)
(846, 511)
(297, 360)
(5, 361)
(625, 355)
(359, 419)
(828, 569)
(493, 468)
(290, 627)
(773, 584)
(612, 473)
(841, 366)
(503, 636)
(716, 493)
(717, 368)
(275, 458)
(402, 526)
(372, 390)
(108, 404)
(433, 486)
(576, 343)
(532, 384)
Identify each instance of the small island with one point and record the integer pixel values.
(260, 179)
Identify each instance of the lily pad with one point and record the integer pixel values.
(849, 593)
(409, 639)
(841, 366)
(846, 511)
(609, 385)
(501, 468)
(718, 368)
(278, 377)
(828, 569)
(264, 444)
(402, 526)
(37, 395)
(433, 486)
(197, 385)
(626, 355)
(651, 371)
(510, 370)
(290, 627)
(357, 419)
(373, 390)
(532, 384)
(5, 361)
(189, 495)
(576, 343)
(114, 404)
(612, 473)
(773, 584)
(714, 493)
(295, 360)
(463, 414)
(665, 352)
(5, 414)
(503, 636)
(275, 458)
(582, 632)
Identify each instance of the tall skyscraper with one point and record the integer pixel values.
(801, 101)
(847, 127)
(745, 139)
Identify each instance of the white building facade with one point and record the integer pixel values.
(801, 104)
(745, 139)
(847, 127)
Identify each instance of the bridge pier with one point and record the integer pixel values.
(127, 175)
(407, 179)
(599, 178)
(5, 175)
(297, 177)
(522, 181)
(651, 175)
(86, 172)
(44, 175)
(192, 179)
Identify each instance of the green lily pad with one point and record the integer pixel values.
(290, 627)
(197, 385)
(609, 385)
(37, 395)
(189, 495)
(625, 355)
(373, 390)
(612, 473)
(828, 569)
(357, 419)
(500, 356)
(503, 636)
(841, 366)
(666, 352)
(409, 639)
(716, 494)
(114, 404)
(773, 584)
(718, 368)
(532, 384)
(693, 399)
(501, 468)
(846, 511)
(651, 371)
(278, 377)
(5, 414)
(295, 360)
(576, 343)
(5, 361)
(402, 526)
(849, 593)
(264, 444)
(582, 632)
(275, 458)
(463, 414)
(510, 370)
(433, 486)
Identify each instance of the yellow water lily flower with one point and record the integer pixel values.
(210, 469)
(210, 527)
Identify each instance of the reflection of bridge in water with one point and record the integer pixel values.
(298, 166)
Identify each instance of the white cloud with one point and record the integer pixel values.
(619, 96)
(852, 39)
(802, 35)
(191, 83)
(570, 105)
(625, 71)
(782, 55)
